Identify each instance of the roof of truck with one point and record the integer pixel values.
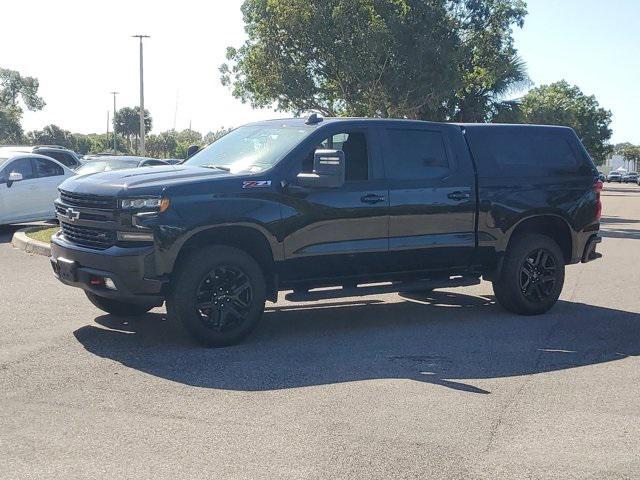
(319, 121)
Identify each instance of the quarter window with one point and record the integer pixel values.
(415, 153)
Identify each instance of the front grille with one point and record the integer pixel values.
(88, 236)
(95, 217)
(88, 200)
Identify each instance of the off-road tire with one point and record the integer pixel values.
(185, 298)
(508, 286)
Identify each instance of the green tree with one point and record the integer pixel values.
(15, 91)
(10, 128)
(52, 135)
(563, 104)
(428, 59)
(630, 153)
(212, 136)
(127, 123)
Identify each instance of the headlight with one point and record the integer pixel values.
(160, 204)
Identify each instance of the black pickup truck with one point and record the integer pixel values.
(367, 205)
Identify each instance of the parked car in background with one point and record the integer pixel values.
(614, 176)
(631, 177)
(108, 163)
(28, 186)
(66, 157)
(602, 176)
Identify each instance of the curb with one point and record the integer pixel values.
(29, 245)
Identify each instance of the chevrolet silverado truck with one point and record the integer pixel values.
(364, 206)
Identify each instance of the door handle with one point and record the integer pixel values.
(372, 198)
(459, 196)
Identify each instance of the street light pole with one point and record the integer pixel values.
(115, 148)
(141, 95)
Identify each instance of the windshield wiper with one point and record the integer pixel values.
(219, 167)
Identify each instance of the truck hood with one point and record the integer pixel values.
(139, 181)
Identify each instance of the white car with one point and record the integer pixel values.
(28, 186)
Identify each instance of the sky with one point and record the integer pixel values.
(82, 50)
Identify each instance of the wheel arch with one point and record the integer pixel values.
(552, 225)
(249, 239)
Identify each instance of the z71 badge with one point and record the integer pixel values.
(256, 183)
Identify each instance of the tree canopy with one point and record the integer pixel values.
(15, 91)
(426, 59)
(630, 152)
(126, 122)
(563, 104)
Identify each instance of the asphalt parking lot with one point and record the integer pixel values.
(395, 386)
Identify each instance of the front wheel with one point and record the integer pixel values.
(218, 294)
(532, 275)
(117, 307)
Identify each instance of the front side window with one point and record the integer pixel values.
(250, 149)
(46, 168)
(356, 154)
(22, 166)
(415, 153)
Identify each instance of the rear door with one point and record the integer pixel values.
(337, 232)
(432, 197)
(66, 158)
(49, 175)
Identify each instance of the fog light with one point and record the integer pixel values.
(135, 236)
(109, 284)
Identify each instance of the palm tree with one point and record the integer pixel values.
(126, 122)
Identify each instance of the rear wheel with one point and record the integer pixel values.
(117, 307)
(532, 275)
(218, 295)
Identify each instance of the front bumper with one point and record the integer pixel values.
(130, 269)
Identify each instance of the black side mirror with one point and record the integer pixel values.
(328, 170)
(192, 150)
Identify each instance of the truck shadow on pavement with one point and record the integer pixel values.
(443, 338)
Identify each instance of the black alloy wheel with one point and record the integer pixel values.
(538, 275)
(531, 278)
(223, 298)
(218, 293)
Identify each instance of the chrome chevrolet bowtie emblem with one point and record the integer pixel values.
(72, 214)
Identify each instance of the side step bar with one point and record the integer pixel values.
(419, 285)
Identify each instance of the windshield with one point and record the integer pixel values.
(97, 166)
(250, 149)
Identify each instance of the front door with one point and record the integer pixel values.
(18, 201)
(432, 198)
(338, 232)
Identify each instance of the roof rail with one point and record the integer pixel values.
(51, 146)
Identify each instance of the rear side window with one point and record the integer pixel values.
(64, 158)
(518, 150)
(46, 168)
(415, 153)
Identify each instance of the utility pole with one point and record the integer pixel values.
(107, 125)
(115, 148)
(141, 95)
